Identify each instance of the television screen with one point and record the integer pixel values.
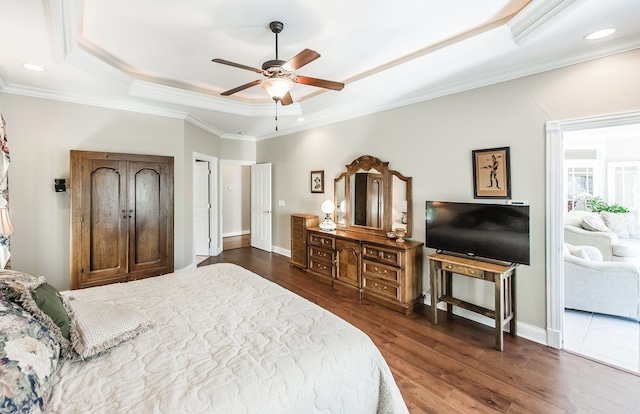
(493, 231)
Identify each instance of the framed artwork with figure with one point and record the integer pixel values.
(317, 181)
(491, 173)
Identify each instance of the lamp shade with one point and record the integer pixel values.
(5, 223)
(327, 206)
(277, 88)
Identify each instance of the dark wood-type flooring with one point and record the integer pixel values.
(453, 367)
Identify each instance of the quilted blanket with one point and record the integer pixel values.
(225, 340)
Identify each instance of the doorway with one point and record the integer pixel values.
(205, 218)
(569, 331)
(235, 200)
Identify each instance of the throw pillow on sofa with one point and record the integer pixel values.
(624, 225)
(593, 222)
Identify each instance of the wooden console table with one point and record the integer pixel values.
(504, 277)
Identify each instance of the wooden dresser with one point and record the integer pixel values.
(299, 225)
(373, 267)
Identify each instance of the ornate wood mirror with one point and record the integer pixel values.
(371, 198)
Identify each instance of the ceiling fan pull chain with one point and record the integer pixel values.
(276, 102)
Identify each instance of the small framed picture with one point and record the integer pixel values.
(491, 173)
(317, 181)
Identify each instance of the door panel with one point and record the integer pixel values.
(261, 206)
(103, 221)
(201, 225)
(147, 233)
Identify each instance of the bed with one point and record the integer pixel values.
(217, 339)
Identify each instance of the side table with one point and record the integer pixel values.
(442, 267)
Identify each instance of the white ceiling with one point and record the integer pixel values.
(154, 56)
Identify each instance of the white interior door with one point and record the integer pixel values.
(261, 206)
(202, 207)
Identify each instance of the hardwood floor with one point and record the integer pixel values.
(453, 367)
(236, 242)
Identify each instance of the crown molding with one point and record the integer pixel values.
(535, 15)
(99, 102)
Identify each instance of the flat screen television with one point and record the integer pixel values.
(492, 231)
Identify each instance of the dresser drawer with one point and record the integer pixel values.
(381, 271)
(379, 287)
(383, 254)
(298, 235)
(321, 240)
(319, 253)
(321, 266)
(463, 270)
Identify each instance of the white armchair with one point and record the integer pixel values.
(612, 247)
(593, 285)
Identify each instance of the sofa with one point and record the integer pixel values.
(594, 285)
(616, 235)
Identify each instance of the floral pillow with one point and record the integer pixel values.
(29, 357)
(13, 284)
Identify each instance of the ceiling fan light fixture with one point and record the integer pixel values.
(277, 88)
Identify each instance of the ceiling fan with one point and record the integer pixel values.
(279, 73)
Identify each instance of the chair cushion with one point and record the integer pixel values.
(626, 249)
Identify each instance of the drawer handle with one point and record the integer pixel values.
(384, 271)
(321, 254)
(389, 256)
(448, 266)
(472, 271)
(381, 287)
(321, 267)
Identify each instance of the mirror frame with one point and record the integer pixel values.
(367, 163)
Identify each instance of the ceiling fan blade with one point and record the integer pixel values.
(320, 83)
(301, 59)
(286, 99)
(236, 65)
(241, 88)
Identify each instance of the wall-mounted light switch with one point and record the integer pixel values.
(281, 203)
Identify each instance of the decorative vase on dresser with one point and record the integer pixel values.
(299, 225)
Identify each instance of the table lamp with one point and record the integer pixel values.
(327, 208)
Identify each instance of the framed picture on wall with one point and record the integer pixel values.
(491, 173)
(317, 181)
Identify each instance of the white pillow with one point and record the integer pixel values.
(593, 222)
(577, 252)
(624, 225)
(96, 327)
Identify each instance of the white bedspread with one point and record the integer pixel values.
(225, 340)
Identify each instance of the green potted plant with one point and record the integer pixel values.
(597, 204)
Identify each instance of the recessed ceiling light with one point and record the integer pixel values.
(600, 34)
(300, 119)
(32, 66)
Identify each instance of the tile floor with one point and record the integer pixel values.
(612, 340)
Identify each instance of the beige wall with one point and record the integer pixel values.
(41, 133)
(432, 142)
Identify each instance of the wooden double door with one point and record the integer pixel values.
(121, 217)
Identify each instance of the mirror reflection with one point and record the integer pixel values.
(340, 200)
(367, 189)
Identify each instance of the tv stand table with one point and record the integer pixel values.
(442, 267)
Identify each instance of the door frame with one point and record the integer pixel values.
(221, 186)
(214, 217)
(555, 213)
